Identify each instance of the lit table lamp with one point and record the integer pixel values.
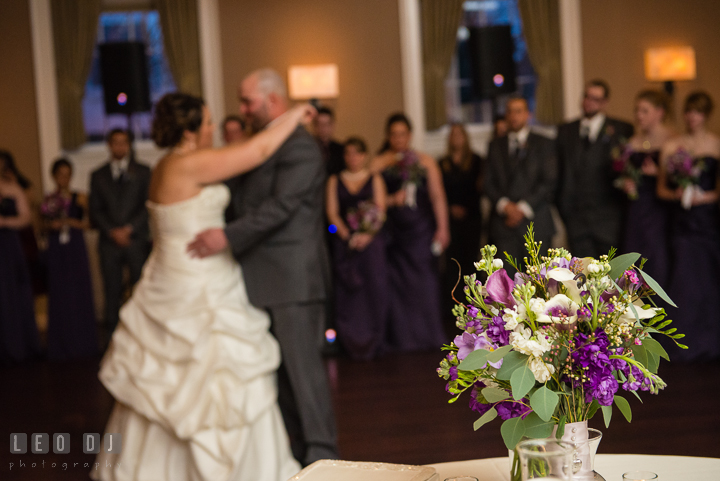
(670, 64)
(313, 81)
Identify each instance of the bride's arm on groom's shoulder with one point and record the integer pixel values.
(210, 166)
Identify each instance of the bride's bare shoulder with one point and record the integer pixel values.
(170, 182)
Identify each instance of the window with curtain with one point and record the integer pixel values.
(461, 103)
(143, 26)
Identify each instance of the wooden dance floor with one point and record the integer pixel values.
(393, 409)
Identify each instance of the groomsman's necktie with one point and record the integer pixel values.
(585, 136)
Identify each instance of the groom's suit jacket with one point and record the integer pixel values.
(276, 225)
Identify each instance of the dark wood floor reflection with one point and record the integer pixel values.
(393, 409)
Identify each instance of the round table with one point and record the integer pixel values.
(610, 466)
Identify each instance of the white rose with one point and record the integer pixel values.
(497, 263)
(541, 370)
(537, 305)
(593, 268)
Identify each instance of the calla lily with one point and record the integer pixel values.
(560, 309)
(629, 316)
(499, 288)
(567, 278)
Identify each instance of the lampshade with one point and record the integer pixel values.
(313, 81)
(669, 64)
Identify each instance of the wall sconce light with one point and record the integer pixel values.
(313, 81)
(670, 64)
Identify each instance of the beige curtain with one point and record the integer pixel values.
(74, 34)
(440, 22)
(179, 22)
(541, 25)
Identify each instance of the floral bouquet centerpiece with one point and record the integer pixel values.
(626, 169)
(367, 218)
(562, 340)
(684, 171)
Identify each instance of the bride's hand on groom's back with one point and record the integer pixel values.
(208, 243)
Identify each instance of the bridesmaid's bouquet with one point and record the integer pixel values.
(556, 343)
(57, 207)
(626, 169)
(411, 173)
(367, 218)
(684, 171)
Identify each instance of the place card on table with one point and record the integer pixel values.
(329, 470)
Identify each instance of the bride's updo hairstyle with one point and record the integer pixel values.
(174, 114)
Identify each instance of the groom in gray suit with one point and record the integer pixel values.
(275, 229)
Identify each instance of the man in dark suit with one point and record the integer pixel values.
(275, 229)
(520, 182)
(118, 192)
(589, 204)
(333, 151)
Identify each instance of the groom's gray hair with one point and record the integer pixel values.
(270, 81)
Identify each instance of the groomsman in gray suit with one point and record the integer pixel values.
(590, 206)
(118, 192)
(276, 231)
(520, 182)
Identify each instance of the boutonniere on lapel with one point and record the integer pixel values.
(607, 133)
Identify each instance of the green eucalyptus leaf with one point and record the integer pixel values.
(499, 353)
(624, 407)
(536, 427)
(475, 360)
(607, 415)
(521, 381)
(544, 402)
(485, 418)
(511, 362)
(493, 394)
(621, 263)
(640, 354)
(653, 362)
(656, 287)
(512, 431)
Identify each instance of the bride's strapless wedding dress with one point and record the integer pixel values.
(192, 365)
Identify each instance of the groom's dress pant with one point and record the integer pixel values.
(303, 390)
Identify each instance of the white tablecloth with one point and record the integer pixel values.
(610, 466)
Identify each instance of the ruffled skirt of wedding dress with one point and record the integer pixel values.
(192, 368)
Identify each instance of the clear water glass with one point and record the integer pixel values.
(546, 459)
(639, 476)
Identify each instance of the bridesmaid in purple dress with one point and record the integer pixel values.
(72, 329)
(417, 228)
(695, 241)
(356, 207)
(19, 339)
(646, 221)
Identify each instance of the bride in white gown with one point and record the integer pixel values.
(192, 364)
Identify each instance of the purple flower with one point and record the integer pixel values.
(499, 288)
(472, 312)
(453, 373)
(635, 382)
(497, 333)
(468, 343)
(475, 405)
(511, 409)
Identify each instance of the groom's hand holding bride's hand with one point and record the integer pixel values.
(208, 243)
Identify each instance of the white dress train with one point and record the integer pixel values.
(192, 365)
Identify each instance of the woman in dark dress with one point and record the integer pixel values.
(646, 221)
(461, 177)
(695, 240)
(18, 331)
(417, 228)
(356, 207)
(72, 330)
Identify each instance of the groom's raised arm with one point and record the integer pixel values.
(299, 176)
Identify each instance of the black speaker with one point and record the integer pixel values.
(123, 67)
(491, 57)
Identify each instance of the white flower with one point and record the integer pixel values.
(629, 317)
(541, 370)
(567, 278)
(510, 316)
(593, 268)
(559, 309)
(495, 311)
(520, 338)
(537, 305)
(497, 263)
